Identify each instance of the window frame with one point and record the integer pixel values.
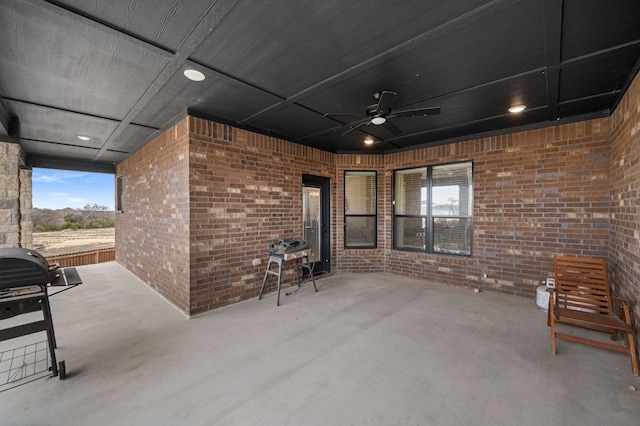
(428, 238)
(374, 215)
(119, 193)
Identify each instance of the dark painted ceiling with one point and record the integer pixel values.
(113, 70)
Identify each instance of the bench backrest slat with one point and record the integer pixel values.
(582, 284)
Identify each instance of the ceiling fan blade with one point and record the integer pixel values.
(385, 101)
(343, 114)
(356, 127)
(397, 131)
(416, 112)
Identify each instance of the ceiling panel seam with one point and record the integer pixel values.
(434, 33)
(632, 75)
(552, 22)
(600, 52)
(589, 97)
(498, 132)
(466, 123)
(204, 27)
(84, 114)
(60, 143)
(225, 76)
(476, 59)
(75, 15)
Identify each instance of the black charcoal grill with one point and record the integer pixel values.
(25, 276)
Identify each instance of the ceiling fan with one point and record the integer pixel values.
(381, 113)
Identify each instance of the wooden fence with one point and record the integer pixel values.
(84, 258)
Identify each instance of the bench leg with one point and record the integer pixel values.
(552, 323)
(633, 354)
(631, 340)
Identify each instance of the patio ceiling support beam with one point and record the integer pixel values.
(5, 123)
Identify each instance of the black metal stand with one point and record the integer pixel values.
(26, 299)
(279, 259)
(30, 303)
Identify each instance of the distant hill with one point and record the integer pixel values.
(55, 218)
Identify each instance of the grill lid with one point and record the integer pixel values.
(20, 267)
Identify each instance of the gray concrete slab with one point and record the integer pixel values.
(373, 349)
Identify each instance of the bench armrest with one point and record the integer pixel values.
(623, 301)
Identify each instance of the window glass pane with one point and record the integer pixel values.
(360, 232)
(411, 191)
(119, 191)
(360, 192)
(452, 190)
(452, 235)
(409, 232)
(449, 187)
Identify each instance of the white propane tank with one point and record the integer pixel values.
(542, 298)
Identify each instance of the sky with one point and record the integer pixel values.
(58, 189)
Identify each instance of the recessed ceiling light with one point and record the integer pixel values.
(368, 141)
(378, 120)
(83, 138)
(194, 75)
(517, 108)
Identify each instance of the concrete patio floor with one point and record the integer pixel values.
(374, 349)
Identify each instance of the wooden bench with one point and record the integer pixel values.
(582, 298)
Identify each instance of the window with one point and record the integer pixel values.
(433, 209)
(360, 212)
(119, 191)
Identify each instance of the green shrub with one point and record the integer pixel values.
(46, 228)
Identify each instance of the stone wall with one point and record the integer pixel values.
(26, 208)
(15, 198)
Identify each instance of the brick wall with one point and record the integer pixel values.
(205, 200)
(362, 260)
(246, 192)
(536, 193)
(624, 257)
(152, 230)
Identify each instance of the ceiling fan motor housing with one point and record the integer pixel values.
(372, 110)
